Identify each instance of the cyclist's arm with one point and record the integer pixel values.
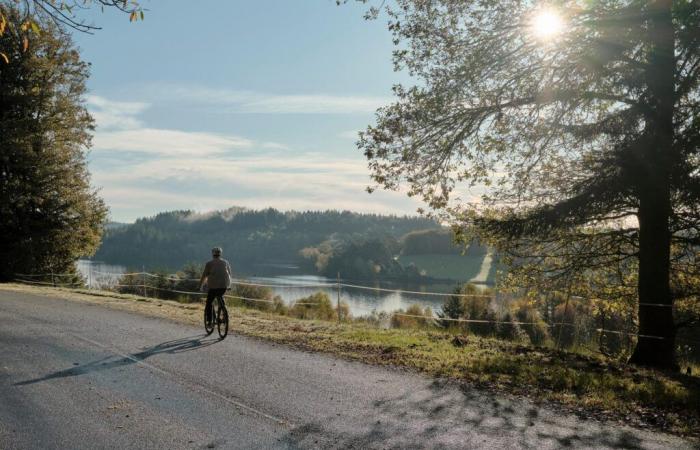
(205, 274)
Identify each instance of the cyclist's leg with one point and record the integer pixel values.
(220, 296)
(211, 295)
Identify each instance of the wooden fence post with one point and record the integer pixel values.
(338, 297)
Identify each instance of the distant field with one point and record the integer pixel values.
(454, 267)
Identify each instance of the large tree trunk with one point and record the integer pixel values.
(656, 342)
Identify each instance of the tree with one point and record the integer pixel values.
(64, 14)
(49, 214)
(579, 122)
(452, 308)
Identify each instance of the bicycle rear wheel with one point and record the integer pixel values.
(209, 321)
(222, 319)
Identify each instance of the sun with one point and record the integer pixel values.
(547, 24)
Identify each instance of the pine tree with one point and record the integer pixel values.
(49, 214)
(452, 308)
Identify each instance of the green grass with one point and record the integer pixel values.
(453, 267)
(599, 386)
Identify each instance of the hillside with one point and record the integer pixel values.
(435, 255)
(255, 241)
(270, 242)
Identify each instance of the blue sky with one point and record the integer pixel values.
(257, 103)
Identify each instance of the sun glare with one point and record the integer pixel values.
(547, 24)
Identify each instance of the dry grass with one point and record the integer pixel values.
(590, 385)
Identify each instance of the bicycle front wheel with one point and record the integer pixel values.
(222, 320)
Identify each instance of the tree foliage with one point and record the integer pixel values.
(31, 15)
(252, 239)
(49, 214)
(584, 144)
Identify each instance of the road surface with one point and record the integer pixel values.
(80, 376)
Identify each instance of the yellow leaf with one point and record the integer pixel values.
(4, 56)
(25, 44)
(132, 16)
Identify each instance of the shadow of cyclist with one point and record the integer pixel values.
(169, 347)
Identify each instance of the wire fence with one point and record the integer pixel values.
(338, 286)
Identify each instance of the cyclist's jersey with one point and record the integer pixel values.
(218, 273)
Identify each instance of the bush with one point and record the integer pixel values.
(479, 308)
(572, 326)
(256, 292)
(400, 321)
(278, 306)
(316, 306)
(189, 277)
(377, 319)
(509, 330)
(343, 311)
(453, 308)
(526, 312)
(130, 284)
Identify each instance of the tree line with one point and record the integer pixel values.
(251, 239)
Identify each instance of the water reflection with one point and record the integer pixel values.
(360, 301)
(100, 275)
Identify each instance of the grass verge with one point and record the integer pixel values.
(588, 385)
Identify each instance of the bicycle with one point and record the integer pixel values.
(218, 318)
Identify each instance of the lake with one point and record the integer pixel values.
(293, 287)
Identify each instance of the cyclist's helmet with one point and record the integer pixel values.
(216, 251)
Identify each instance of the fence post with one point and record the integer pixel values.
(338, 297)
(143, 280)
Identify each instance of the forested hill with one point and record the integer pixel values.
(251, 239)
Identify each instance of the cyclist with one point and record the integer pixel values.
(217, 274)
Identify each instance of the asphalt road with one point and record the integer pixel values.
(77, 376)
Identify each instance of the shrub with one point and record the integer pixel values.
(189, 277)
(538, 333)
(316, 306)
(400, 321)
(508, 329)
(377, 319)
(254, 292)
(572, 326)
(343, 311)
(453, 308)
(130, 284)
(278, 306)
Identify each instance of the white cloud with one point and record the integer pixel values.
(141, 202)
(352, 135)
(119, 128)
(312, 104)
(111, 114)
(274, 146)
(237, 101)
(168, 142)
(198, 170)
